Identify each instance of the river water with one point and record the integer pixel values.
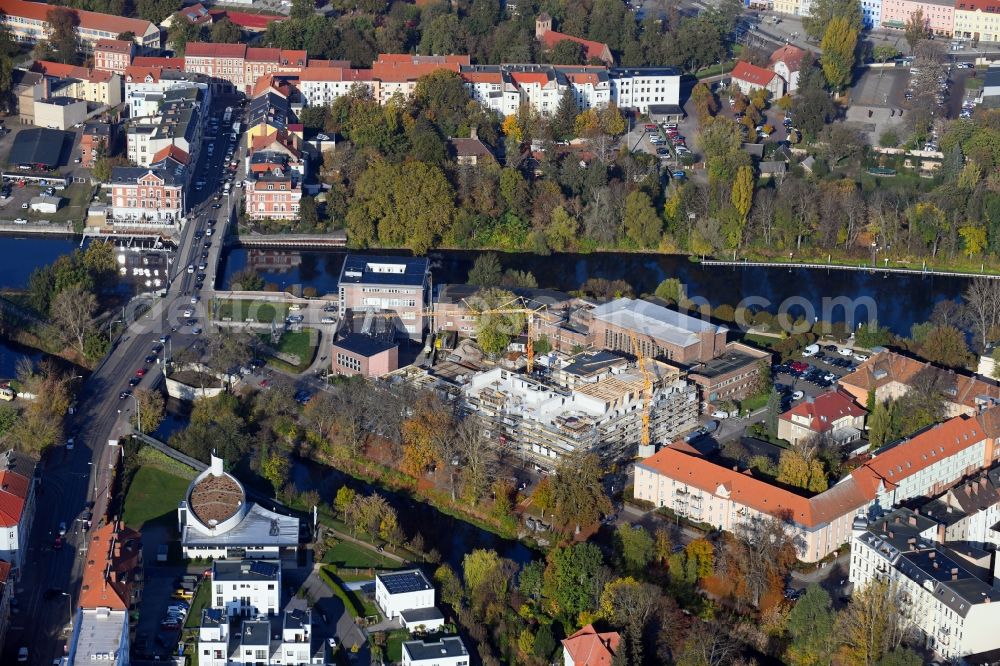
(896, 300)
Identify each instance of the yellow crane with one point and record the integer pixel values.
(647, 387)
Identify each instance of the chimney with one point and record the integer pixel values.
(982, 482)
(913, 521)
(931, 555)
(474, 133)
(896, 519)
(891, 535)
(954, 574)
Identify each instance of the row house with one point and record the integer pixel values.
(89, 84)
(954, 611)
(970, 512)
(978, 20)
(321, 86)
(927, 464)
(29, 22)
(176, 123)
(274, 195)
(240, 66)
(263, 62)
(152, 196)
(939, 15)
(259, 641)
(281, 148)
(114, 55)
(96, 138)
(268, 114)
(398, 72)
(145, 87)
(17, 506)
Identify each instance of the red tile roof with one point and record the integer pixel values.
(4, 571)
(988, 6)
(537, 78)
(587, 647)
(59, 70)
(752, 74)
(244, 20)
(14, 490)
(209, 50)
(114, 45)
(174, 152)
(38, 11)
(156, 61)
(399, 67)
(591, 49)
(823, 410)
(113, 559)
(323, 73)
(482, 77)
(790, 55)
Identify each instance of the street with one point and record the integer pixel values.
(73, 479)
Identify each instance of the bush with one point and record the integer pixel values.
(889, 139)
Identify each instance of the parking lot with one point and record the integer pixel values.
(813, 374)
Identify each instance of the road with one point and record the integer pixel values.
(73, 479)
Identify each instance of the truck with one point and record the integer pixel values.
(236, 127)
(228, 115)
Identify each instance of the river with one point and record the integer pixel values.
(898, 300)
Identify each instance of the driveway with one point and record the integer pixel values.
(312, 591)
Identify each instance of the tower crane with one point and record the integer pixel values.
(647, 387)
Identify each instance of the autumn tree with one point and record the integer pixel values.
(496, 324)
(72, 311)
(642, 225)
(63, 22)
(629, 604)
(275, 468)
(916, 29)
(578, 491)
(838, 46)
(427, 434)
(152, 409)
(760, 554)
(982, 299)
(704, 101)
(871, 626)
(879, 425)
(946, 346)
(742, 199)
(476, 456)
(41, 423)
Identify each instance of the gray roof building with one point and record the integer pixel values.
(449, 647)
(384, 270)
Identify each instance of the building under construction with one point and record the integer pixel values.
(592, 402)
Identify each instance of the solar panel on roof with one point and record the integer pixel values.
(267, 569)
(401, 583)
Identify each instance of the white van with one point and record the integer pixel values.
(811, 350)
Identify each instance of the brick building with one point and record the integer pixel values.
(359, 354)
(113, 55)
(398, 286)
(150, 196)
(274, 195)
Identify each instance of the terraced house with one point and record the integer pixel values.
(29, 22)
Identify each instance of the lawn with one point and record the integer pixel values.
(225, 309)
(200, 600)
(356, 603)
(153, 495)
(300, 343)
(394, 645)
(347, 555)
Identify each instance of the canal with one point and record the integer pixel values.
(897, 300)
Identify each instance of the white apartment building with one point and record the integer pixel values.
(284, 641)
(639, 87)
(402, 590)
(542, 422)
(970, 511)
(923, 466)
(956, 613)
(145, 87)
(100, 636)
(248, 588)
(321, 86)
(17, 507)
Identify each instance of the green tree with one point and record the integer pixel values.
(822, 12)
(183, 31)
(642, 225)
(275, 469)
(773, 412)
(578, 492)
(486, 271)
(566, 52)
(571, 581)
(494, 326)
(450, 585)
(226, 32)
(838, 45)
(634, 546)
(155, 11)
(672, 290)
(720, 137)
(302, 9)
(563, 231)
(810, 629)
(102, 169)
(870, 335)
(478, 568)
(742, 199)
(441, 97)
(345, 498)
(629, 604)
(946, 346)
(8, 417)
(152, 409)
(885, 52)
(562, 121)
(879, 424)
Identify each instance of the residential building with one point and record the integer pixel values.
(146, 85)
(833, 414)
(285, 640)
(398, 72)
(225, 64)
(731, 375)
(275, 195)
(749, 77)
(196, 14)
(176, 123)
(470, 152)
(955, 612)
(215, 520)
(246, 588)
(28, 22)
(100, 635)
(939, 15)
(892, 375)
(991, 88)
(279, 149)
(270, 113)
(639, 88)
(6, 594)
(791, 7)
(969, 512)
(659, 331)
(112, 575)
(588, 647)
(383, 285)
(261, 63)
(409, 596)
(447, 651)
(549, 38)
(95, 139)
(321, 86)
(113, 55)
(151, 196)
(541, 422)
(28, 88)
(60, 113)
(365, 355)
(17, 506)
(786, 62)
(978, 20)
(924, 465)
(871, 14)
(99, 86)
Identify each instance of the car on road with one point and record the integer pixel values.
(58, 543)
(215, 206)
(157, 348)
(150, 359)
(720, 414)
(797, 395)
(22, 654)
(188, 312)
(20, 220)
(328, 320)
(70, 443)
(134, 382)
(194, 299)
(124, 394)
(62, 529)
(141, 372)
(196, 330)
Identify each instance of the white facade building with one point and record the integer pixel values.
(639, 87)
(100, 636)
(17, 506)
(403, 590)
(261, 641)
(248, 588)
(449, 651)
(956, 613)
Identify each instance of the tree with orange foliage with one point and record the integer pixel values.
(759, 556)
(428, 436)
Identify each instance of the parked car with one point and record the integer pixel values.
(720, 414)
(797, 395)
(811, 350)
